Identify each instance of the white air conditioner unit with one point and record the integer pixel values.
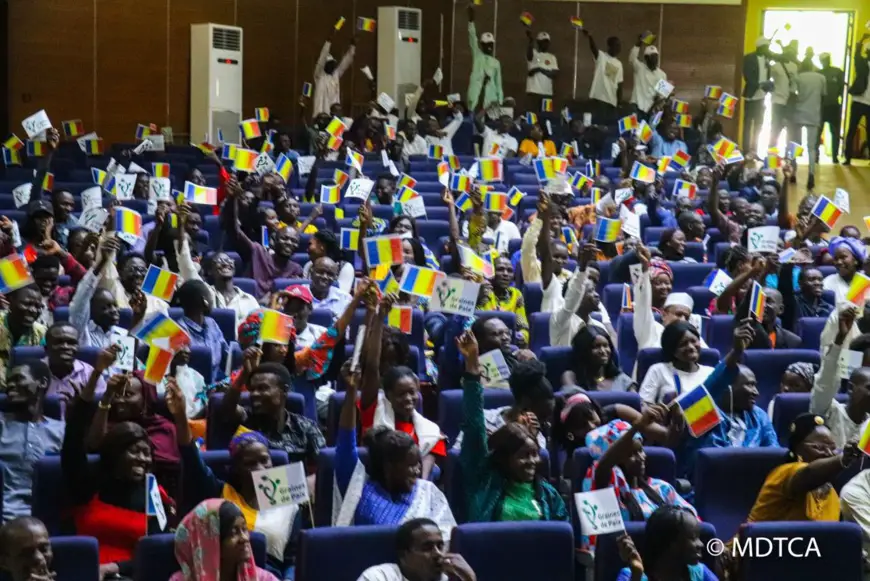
(215, 82)
(400, 49)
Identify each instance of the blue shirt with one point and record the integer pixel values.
(208, 335)
(698, 572)
(658, 147)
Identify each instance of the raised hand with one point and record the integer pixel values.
(106, 358)
(743, 335)
(251, 359)
(467, 345)
(175, 399)
(446, 197)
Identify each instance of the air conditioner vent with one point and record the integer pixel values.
(409, 20)
(226, 39)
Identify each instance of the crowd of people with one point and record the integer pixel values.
(541, 268)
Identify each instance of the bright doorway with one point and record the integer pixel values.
(823, 31)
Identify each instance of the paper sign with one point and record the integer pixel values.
(21, 195)
(664, 88)
(841, 199)
(717, 282)
(36, 124)
(635, 271)
(143, 146)
(281, 486)
(630, 222)
(414, 207)
(92, 220)
(386, 102)
(849, 362)
(455, 98)
(16, 235)
(87, 137)
(762, 239)
(494, 371)
(359, 188)
(136, 168)
(159, 189)
(158, 142)
(368, 73)
(124, 186)
(587, 119)
(304, 164)
(264, 165)
(455, 295)
(599, 512)
(385, 158)
(623, 195)
(92, 198)
(438, 77)
(126, 359)
(153, 501)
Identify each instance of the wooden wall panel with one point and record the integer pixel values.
(51, 55)
(131, 62)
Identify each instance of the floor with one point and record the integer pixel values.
(855, 179)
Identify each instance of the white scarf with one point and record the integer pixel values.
(428, 432)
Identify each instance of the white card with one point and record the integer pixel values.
(587, 119)
(143, 146)
(114, 167)
(281, 486)
(385, 159)
(21, 195)
(599, 512)
(357, 347)
(762, 239)
(614, 150)
(414, 207)
(93, 220)
(86, 137)
(392, 168)
(304, 164)
(92, 198)
(841, 199)
(16, 235)
(264, 165)
(719, 282)
(849, 362)
(159, 189)
(158, 142)
(368, 73)
(153, 501)
(136, 168)
(124, 186)
(438, 76)
(630, 222)
(386, 102)
(359, 188)
(455, 98)
(623, 194)
(126, 359)
(635, 271)
(36, 124)
(494, 371)
(664, 88)
(455, 295)
(151, 207)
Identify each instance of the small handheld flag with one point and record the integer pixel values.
(157, 364)
(683, 120)
(858, 289)
(629, 123)
(527, 18)
(471, 260)
(712, 92)
(275, 327)
(453, 161)
(160, 170)
(36, 148)
(160, 283)
(756, 302)
(436, 152)
(94, 146)
(228, 152)
(460, 183)
(383, 250)
(684, 188)
(663, 164)
(700, 411)
(515, 196)
(128, 221)
(642, 173)
(490, 169)
(794, 151)
(349, 239)
(142, 131)
(195, 194)
(161, 331)
(607, 230)
(580, 181)
(11, 156)
(262, 114)
(405, 180)
(307, 90)
(250, 129)
(330, 194)
(339, 23)
(73, 128)
(531, 118)
(419, 281)
(354, 159)
(645, 133)
(463, 202)
(679, 106)
(576, 22)
(627, 301)
(401, 318)
(681, 159)
(826, 211)
(284, 168)
(14, 273)
(547, 105)
(366, 24)
(336, 127)
(245, 160)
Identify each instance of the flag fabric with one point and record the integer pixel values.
(527, 18)
(13, 142)
(354, 159)
(383, 250)
(264, 236)
(531, 118)
(864, 442)
(642, 173)
(569, 236)
(195, 194)
(405, 180)
(471, 260)
(858, 289)
(684, 188)
(794, 151)
(440, 103)
(607, 230)
(160, 283)
(228, 152)
(490, 169)
(262, 114)
(275, 327)
(772, 162)
(366, 24)
(11, 156)
(406, 194)
(597, 194)
(336, 127)
(436, 152)
(36, 148)
(645, 132)
(593, 168)
(250, 128)
(142, 131)
(73, 128)
(14, 273)
(204, 147)
(330, 194)
(245, 160)
(94, 146)
(713, 92)
(460, 183)
(567, 150)
(453, 162)
(157, 364)
(128, 221)
(700, 411)
(161, 331)
(679, 106)
(349, 239)
(728, 101)
(579, 181)
(464, 203)
(724, 147)
(627, 299)
(340, 178)
(683, 120)
(663, 164)
(267, 146)
(160, 170)
(390, 132)
(681, 159)
(284, 168)
(544, 169)
(756, 302)
(627, 124)
(48, 182)
(307, 90)
(419, 281)
(724, 111)
(576, 22)
(98, 175)
(547, 105)
(401, 318)
(826, 211)
(515, 196)
(339, 23)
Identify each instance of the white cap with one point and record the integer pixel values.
(487, 37)
(651, 49)
(762, 41)
(543, 36)
(681, 299)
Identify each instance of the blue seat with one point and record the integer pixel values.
(50, 501)
(509, 319)
(652, 235)
(810, 331)
(539, 331)
(770, 365)
(720, 332)
(660, 463)
(325, 481)
(696, 250)
(75, 558)
(646, 358)
(688, 275)
(723, 500)
(249, 285)
(547, 549)
(282, 283)
(612, 299)
(836, 542)
(450, 408)
(20, 354)
(322, 317)
(608, 562)
(431, 230)
(155, 556)
(363, 547)
(626, 342)
(788, 406)
(701, 296)
(533, 296)
(217, 436)
(558, 361)
(226, 320)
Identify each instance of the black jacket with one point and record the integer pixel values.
(862, 73)
(750, 74)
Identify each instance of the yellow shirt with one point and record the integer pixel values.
(512, 304)
(774, 503)
(311, 229)
(529, 147)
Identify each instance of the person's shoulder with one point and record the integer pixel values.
(384, 572)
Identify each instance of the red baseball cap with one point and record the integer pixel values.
(301, 292)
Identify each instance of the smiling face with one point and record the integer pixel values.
(62, 344)
(64, 204)
(819, 444)
(27, 555)
(133, 273)
(403, 397)
(129, 405)
(286, 241)
(134, 463)
(324, 273)
(25, 305)
(267, 395)
(222, 267)
(523, 464)
(236, 545)
(104, 309)
(496, 335)
(24, 391)
(504, 274)
(689, 348)
(745, 390)
(845, 262)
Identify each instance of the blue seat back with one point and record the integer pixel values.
(450, 408)
(769, 367)
(362, 547)
(75, 558)
(810, 331)
(217, 434)
(155, 556)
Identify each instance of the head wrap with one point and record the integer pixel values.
(804, 370)
(249, 329)
(571, 403)
(600, 439)
(241, 439)
(855, 246)
(657, 267)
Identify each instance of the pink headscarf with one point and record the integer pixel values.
(657, 267)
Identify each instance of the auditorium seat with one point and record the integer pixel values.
(788, 406)
(810, 331)
(450, 414)
(217, 436)
(769, 367)
(343, 553)
(155, 556)
(75, 558)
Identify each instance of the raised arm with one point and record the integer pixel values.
(723, 301)
(723, 375)
(827, 380)
(544, 240)
(346, 455)
(820, 472)
(52, 139)
(347, 59)
(80, 305)
(622, 448)
(475, 450)
(154, 234)
(528, 251)
(452, 220)
(232, 224)
(782, 208)
(472, 34)
(229, 411)
(321, 59)
(592, 46)
(644, 320)
(371, 366)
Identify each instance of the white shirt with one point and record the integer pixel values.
(335, 301)
(446, 142)
(660, 381)
(539, 83)
(644, 91)
(307, 337)
(608, 75)
(823, 402)
(327, 88)
(505, 141)
(345, 275)
(501, 236)
(834, 282)
(386, 572)
(783, 86)
(763, 77)
(416, 146)
(192, 383)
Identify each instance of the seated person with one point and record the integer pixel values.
(324, 244)
(195, 299)
(536, 144)
(249, 452)
(595, 367)
(672, 543)
(807, 301)
(394, 406)
(679, 371)
(26, 435)
(390, 491)
(798, 378)
(503, 295)
(769, 334)
(324, 273)
(125, 280)
(25, 550)
(18, 326)
(580, 301)
(420, 555)
(501, 470)
(68, 374)
(213, 541)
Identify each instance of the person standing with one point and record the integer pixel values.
(606, 90)
(784, 72)
(807, 112)
(485, 68)
(860, 91)
(543, 68)
(832, 109)
(644, 60)
(327, 76)
(756, 75)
